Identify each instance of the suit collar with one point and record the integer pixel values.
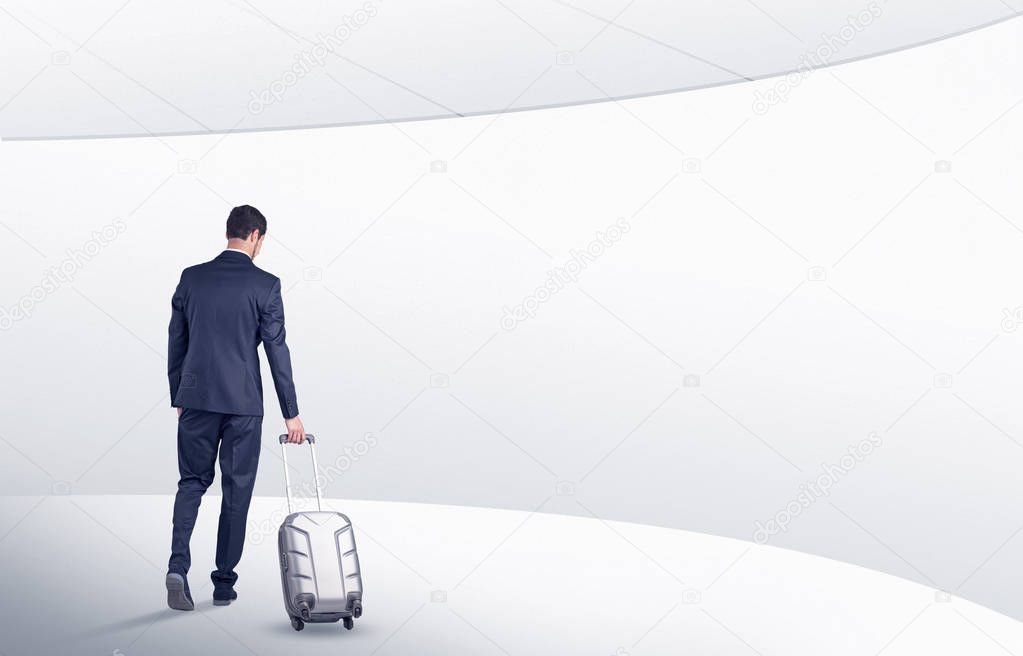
(229, 255)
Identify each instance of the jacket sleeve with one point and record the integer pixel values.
(177, 339)
(271, 329)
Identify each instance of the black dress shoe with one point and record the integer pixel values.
(224, 596)
(178, 595)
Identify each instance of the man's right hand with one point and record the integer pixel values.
(296, 431)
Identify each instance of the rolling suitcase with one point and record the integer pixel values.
(319, 564)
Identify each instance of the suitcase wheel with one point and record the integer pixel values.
(349, 623)
(357, 609)
(297, 624)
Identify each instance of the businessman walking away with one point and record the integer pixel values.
(220, 313)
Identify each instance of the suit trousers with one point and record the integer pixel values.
(200, 435)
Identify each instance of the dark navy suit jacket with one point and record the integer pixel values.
(220, 313)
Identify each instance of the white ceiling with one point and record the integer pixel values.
(146, 67)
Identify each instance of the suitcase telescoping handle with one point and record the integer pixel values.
(316, 469)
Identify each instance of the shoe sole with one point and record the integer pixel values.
(176, 597)
(222, 602)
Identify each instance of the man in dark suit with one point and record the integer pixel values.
(220, 313)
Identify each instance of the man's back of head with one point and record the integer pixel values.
(246, 228)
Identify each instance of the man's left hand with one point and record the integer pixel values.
(296, 431)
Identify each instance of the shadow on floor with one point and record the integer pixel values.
(324, 631)
(137, 622)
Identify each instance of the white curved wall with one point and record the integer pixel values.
(146, 67)
(398, 278)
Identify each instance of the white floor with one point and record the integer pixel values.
(84, 574)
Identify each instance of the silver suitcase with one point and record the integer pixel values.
(320, 571)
